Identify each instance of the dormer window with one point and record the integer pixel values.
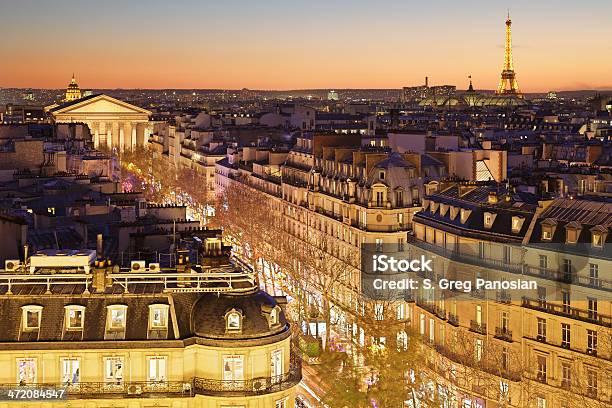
(158, 316)
(548, 229)
(31, 316)
(233, 321)
(117, 317)
(273, 317)
(489, 218)
(465, 215)
(381, 175)
(598, 236)
(517, 224)
(74, 316)
(572, 230)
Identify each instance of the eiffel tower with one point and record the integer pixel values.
(507, 82)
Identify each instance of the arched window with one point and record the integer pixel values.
(233, 320)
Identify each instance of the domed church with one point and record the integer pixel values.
(73, 92)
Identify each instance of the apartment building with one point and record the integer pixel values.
(544, 347)
(98, 336)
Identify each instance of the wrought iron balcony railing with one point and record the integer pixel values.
(503, 333)
(568, 311)
(478, 327)
(170, 389)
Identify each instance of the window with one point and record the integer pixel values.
(567, 267)
(566, 374)
(505, 320)
(274, 316)
(378, 311)
(540, 402)
(505, 359)
(592, 308)
(422, 324)
(565, 335)
(400, 244)
(546, 233)
(503, 390)
(432, 330)
(597, 240)
(71, 371)
(400, 312)
(117, 317)
(594, 274)
(591, 382)
(542, 296)
(379, 198)
(26, 371)
(517, 223)
(381, 175)
(157, 369)
(507, 254)
(402, 340)
(158, 316)
(379, 244)
(113, 370)
(591, 341)
(74, 317)
(543, 264)
(281, 403)
(478, 345)
(566, 301)
(488, 220)
(541, 329)
(400, 199)
(31, 315)
(541, 375)
(233, 320)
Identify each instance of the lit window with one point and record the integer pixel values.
(274, 316)
(71, 371)
(233, 320)
(597, 241)
(117, 317)
(74, 317)
(31, 315)
(157, 369)
(281, 403)
(113, 370)
(478, 346)
(546, 236)
(26, 371)
(158, 316)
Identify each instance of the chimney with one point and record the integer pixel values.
(99, 246)
(426, 82)
(492, 197)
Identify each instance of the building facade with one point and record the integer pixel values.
(191, 336)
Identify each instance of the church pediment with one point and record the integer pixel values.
(100, 104)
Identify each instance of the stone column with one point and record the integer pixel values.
(109, 136)
(115, 126)
(127, 135)
(121, 135)
(140, 131)
(95, 131)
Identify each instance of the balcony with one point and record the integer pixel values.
(478, 327)
(466, 258)
(503, 333)
(568, 311)
(453, 319)
(171, 389)
(503, 297)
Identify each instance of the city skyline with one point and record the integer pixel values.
(303, 46)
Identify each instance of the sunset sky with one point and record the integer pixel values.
(291, 44)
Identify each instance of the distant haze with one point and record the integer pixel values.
(315, 44)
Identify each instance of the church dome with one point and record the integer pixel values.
(257, 316)
(73, 91)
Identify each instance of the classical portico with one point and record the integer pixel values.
(112, 122)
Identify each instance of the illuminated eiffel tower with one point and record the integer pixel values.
(507, 82)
